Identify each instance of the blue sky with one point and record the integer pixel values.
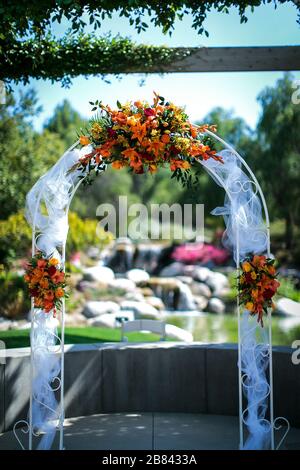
(199, 92)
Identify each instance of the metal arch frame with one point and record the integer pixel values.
(60, 350)
(267, 219)
(242, 412)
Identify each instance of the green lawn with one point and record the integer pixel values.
(83, 335)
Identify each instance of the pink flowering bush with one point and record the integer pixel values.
(192, 253)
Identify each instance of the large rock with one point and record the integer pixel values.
(98, 273)
(218, 282)
(140, 309)
(5, 324)
(199, 273)
(164, 283)
(174, 332)
(137, 275)
(75, 319)
(123, 284)
(83, 285)
(288, 307)
(155, 302)
(146, 291)
(97, 308)
(199, 288)
(136, 296)
(185, 279)
(201, 302)
(111, 320)
(215, 305)
(26, 325)
(74, 279)
(173, 269)
(8, 325)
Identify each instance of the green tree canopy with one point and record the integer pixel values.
(279, 160)
(232, 129)
(23, 17)
(65, 122)
(17, 163)
(28, 47)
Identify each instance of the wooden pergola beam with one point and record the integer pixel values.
(234, 59)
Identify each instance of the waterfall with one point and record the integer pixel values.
(186, 299)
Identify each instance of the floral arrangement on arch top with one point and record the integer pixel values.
(144, 137)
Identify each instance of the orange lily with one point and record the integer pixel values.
(130, 153)
(139, 131)
(152, 168)
(59, 292)
(84, 140)
(179, 164)
(165, 138)
(155, 147)
(118, 164)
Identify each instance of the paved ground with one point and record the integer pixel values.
(146, 431)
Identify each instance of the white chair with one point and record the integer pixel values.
(153, 326)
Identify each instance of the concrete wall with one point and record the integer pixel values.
(164, 377)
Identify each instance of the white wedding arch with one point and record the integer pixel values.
(247, 230)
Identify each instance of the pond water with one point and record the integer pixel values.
(217, 328)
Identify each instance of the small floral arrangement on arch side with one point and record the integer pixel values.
(257, 285)
(46, 282)
(144, 137)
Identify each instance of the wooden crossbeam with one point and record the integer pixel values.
(234, 59)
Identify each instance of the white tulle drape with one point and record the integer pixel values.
(254, 364)
(47, 205)
(45, 379)
(246, 233)
(48, 200)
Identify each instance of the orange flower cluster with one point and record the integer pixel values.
(145, 137)
(257, 285)
(46, 282)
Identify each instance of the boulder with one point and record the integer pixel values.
(136, 296)
(287, 306)
(155, 302)
(83, 286)
(201, 302)
(200, 273)
(97, 308)
(8, 325)
(98, 273)
(123, 283)
(185, 279)
(173, 269)
(223, 292)
(75, 319)
(140, 309)
(74, 279)
(111, 320)
(217, 282)
(199, 288)
(215, 305)
(146, 291)
(24, 326)
(137, 275)
(174, 332)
